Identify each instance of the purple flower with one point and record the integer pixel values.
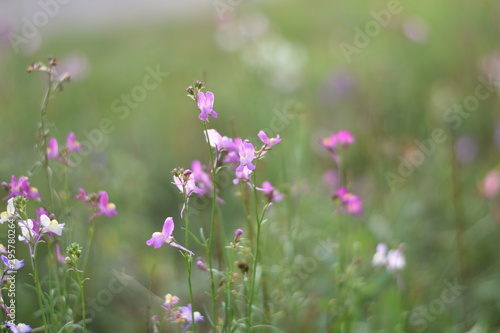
(165, 236)
(71, 143)
(271, 193)
(53, 149)
(246, 153)
(105, 207)
(269, 141)
(20, 187)
(200, 263)
(187, 315)
(206, 104)
(12, 265)
(19, 328)
(350, 203)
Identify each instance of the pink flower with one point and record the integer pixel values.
(71, 143)
(350, 203)
(105, 207)
(206, 104)
(246, 153)
(330, 143)
(269, 141)
(165, 236)
(53, 149)
(271, 193)
(490, 186)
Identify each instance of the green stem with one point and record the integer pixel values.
(39, 291)
(188, 264)
(43, 121)
(212, 228)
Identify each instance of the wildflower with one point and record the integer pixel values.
(170, 301)
(351, 203)
(395, 259)
(269, 141)
(105, 207)
(20, 187)
(490, 186)
(330, 143)
(186, 317)
(243, 175)
(184, 180)
(206, 104)
(200, 263)
(202, 179)
(50, 226)
(71, 143)
(165, 236)
(12, 265)
(271, 193)
(214, 138)
(53, 149)
(246, 153)
(28, 232)
(19, 328)
(3, 249)
(10, 213)
(236, 240)
(379, 258)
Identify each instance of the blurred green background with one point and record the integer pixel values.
(261, 59)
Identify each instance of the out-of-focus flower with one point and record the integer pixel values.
(330, 143)
(53, 149)
(20, 187)
(3, 249)
(50, 226)
(206, 104)
(338, 84)
(99, 203)
(416, 29)
(271, 193)
(200, 263)
(331, 180)
(490, 186)
(466, 149)
(10, 213)
(170, 300)
(165, 236)
(71, 143)
(394, 260)
(74, 65)
(236, 240)
(380, 256)
(12, 265)
(269, 141)
(351, 204)
(187, 317)
(19, 328)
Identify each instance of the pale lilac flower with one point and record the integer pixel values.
(351, 203)
(206, 104)
(200, 263)
(214, 138)
(246, 153)
(50, 226)
(243, 175)
(10, 213)
(380, 258)
(71, 143)
(3, 249)
(165, 236)
(186, 184)
(490, 186)
(53, 149)
(271, 193)
(269, 141)
(187, 316)
(19, 328)
(416, 29)
(395, 260)
(12, 265)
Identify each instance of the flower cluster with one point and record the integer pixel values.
(331, 143)
(20, 187)
(350, 204)
(394, 260)
(62, 155)
(180, 315)
(99, 202)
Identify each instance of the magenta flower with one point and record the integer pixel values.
(246, 153)
(105, 207)
(206, 104)
(165, 236)
(82, 195)
(351, 204)
(53, 149)
(71, 143)
(271, 193)
(20, 187)
(345, 138)
(330, 143)
(269, 141)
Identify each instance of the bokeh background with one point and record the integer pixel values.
(263, 59)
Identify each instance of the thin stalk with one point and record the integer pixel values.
(43, 120)
(189, 267)
(212, 228)
(39, 291)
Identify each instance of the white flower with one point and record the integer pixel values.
(395, 260)
(52, 226)
(27, 232)
(10, 213)
(379, 258)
